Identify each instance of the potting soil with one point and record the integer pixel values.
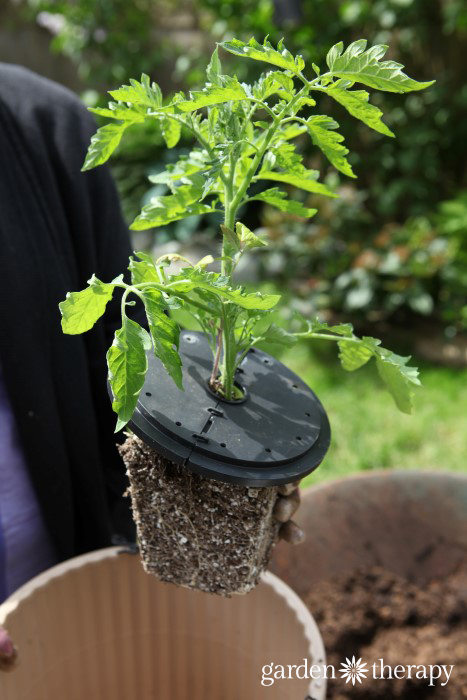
(198, 532)
(375, 614)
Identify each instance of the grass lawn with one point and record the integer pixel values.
(368, 431)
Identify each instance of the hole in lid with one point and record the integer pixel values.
(268, 449)
(298, 437)
(223, 444)
(148, 393)
(308, 415)
(294, 386)
(177, 422)
(266, 362)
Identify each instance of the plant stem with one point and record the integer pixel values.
(215, 367)
(326, 336)
(232, 201)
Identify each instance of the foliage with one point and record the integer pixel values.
(403, 180)
(104, 39)
(418, 267)
(245, 134)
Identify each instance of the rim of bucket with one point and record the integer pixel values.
(389, 474)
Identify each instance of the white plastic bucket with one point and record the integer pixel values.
(98, 627)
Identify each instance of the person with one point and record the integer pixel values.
(61, 477)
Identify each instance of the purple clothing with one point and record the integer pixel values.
(25, 547)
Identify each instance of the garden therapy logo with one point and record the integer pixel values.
(353, 670)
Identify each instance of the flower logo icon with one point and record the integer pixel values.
(353, 670)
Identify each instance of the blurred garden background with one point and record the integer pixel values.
(390, 255)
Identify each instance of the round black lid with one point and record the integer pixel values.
(278, 434)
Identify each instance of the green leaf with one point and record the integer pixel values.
(278, 335)
(354, 355)
(305, 101)
(139, 93)
(143, 270)
(276, 198)
(321, 130)
(265, 52)
(171, 130)
(81, 310)
(165, 333)
(317, 326)
(213, 282)
(361, 66)
(103, 144)
(118, 111)
(182, 169)
(247, 238)
(284, 155)
(305, 181)
(291, 131)
(284, 80)
(204, 261)
(400, 379)
(356, 103)
(231, 243)
(274, 83)
(214, 69)
(163, 210)
(212, 95)
(127, 363)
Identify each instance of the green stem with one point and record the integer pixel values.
(268, 136)
(232, 202)
(215, 367)
(229, 354)
(326, 336)
(226, 330)
(123, 302)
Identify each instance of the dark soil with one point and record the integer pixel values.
(375, 614)
(198, 532)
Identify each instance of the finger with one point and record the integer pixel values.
(8, 652)
(287, 489)
(286, 506)
(291, 533)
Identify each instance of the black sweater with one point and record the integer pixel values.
(57, 227)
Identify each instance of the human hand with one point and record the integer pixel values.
(8, 651)
(287, 503)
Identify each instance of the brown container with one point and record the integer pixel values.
(411, 523)
(99, 628)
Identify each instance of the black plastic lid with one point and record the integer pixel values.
(277, 435)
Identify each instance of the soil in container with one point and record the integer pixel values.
(376, 614)
(198, 532)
